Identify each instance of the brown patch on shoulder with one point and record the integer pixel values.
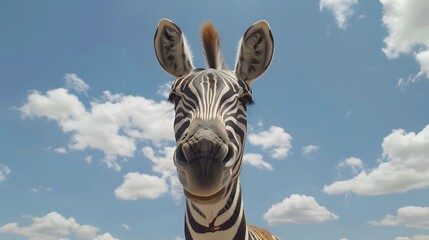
(261, 232)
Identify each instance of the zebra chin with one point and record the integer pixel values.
(204, 168)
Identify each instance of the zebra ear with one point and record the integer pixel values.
(171, 49)
(255, 52)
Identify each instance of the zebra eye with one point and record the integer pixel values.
(246, 99)
(173, 97)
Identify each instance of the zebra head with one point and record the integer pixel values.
(210, 105)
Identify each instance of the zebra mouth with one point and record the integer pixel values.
(204, 189)
(205, 199)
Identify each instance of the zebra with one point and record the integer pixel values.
(210, 126)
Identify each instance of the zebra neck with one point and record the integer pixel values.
(223, 220)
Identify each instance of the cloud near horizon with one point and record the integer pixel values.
(405, 166)
(415, 237)
(298, 209)
(54, 226)
(409, 216)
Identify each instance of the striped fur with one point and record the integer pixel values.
(211, 103)
(259, 233)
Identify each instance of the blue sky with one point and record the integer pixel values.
(338, 144)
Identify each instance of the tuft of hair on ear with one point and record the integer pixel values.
(211, 46)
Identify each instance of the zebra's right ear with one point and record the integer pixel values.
(255, 52)
(171, 49)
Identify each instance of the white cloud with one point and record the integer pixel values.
(126, 227)
(52, 226)
(306, 150)
(141, 186)
(407, 23)
(423, 59)
(353, 162)
(163, 164)
(257, 161)
(41, 189)
(56, 105)
(416, 237)
(88, 159)
(112, 125)
(298, 209)
(348, 114)
(164, 89)
(405, 166)
(73, 82)
(4, 172)
(60, 150)
(409, 216)
(275, 139)
(105, 236)
(341, 9)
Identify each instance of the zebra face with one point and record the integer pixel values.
(210, 127)
(210, 105)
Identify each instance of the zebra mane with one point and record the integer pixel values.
(211, 45)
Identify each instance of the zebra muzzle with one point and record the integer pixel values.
(204, 164)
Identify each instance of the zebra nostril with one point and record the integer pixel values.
(179, 156)
(229, 160)
(188, 152)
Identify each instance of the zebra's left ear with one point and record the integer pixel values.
(171, 49)
(255, 52)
